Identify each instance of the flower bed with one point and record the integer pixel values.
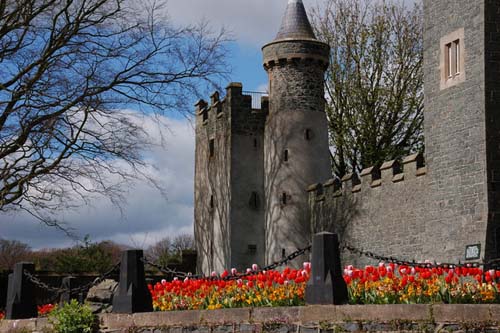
(43, 310)
(385, 284)
(271, 288)
(392, 284)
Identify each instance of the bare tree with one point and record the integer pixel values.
(160, 252)
(68, 68)
(374, 82)
(183, 242)
(168, 250)
(11, 252)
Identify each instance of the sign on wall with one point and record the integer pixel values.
(473, 252)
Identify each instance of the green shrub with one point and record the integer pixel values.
(72, 317)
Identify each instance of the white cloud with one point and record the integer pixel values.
(147, 216)
(254, 22)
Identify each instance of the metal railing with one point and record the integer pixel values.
(256, 98)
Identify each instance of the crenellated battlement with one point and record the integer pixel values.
(236, 97)
(388, 173)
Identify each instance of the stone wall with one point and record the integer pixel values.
(382, 211)
(308, 319)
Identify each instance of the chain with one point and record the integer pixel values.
(353, 250)
(37, 282)
(287, 259)
(183, 275)
(167, 270)
(98, 280)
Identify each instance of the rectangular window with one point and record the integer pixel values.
(452, 61)
(285, 155)
(211, 147)
(252, 249)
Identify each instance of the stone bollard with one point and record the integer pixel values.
(326, 285)
(132, 295)
(21, 293)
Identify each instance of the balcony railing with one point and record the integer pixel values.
(256, 98)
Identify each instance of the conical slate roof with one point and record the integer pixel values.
(295, 24)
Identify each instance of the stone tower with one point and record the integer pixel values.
(229, 181)
(296, 152)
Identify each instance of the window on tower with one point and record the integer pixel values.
(308, 134)
(452, 61)
(285, 155)
(252, 248)
(254, 200)
(284, 198)
(211, 148)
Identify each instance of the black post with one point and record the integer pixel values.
(132, 295)
(21, 293)
(68, 283)
(326, 285)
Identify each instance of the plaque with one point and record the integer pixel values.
(473, 252)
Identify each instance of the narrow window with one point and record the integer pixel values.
(252, 248)
(211, 147)
(284, 198)
(452, 62)
(255, 143)
(205, 114)
(308, 134)
(283, 253)
(254, 200)
(211, 201)
(457, 56)
(449, 61)
(285, 155)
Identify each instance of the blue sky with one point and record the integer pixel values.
(147, 216)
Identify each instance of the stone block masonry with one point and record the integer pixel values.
(434, 212)
(306, 319)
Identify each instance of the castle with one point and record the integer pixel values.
(263, 180)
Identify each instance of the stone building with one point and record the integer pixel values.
(253, 166)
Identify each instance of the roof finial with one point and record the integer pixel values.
(295, 24)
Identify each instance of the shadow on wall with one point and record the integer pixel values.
(212, 199)
(332, 215)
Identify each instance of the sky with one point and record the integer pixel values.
(148, 217)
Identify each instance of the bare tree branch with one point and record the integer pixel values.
(68, 69)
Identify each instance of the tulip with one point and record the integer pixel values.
(255, 267)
